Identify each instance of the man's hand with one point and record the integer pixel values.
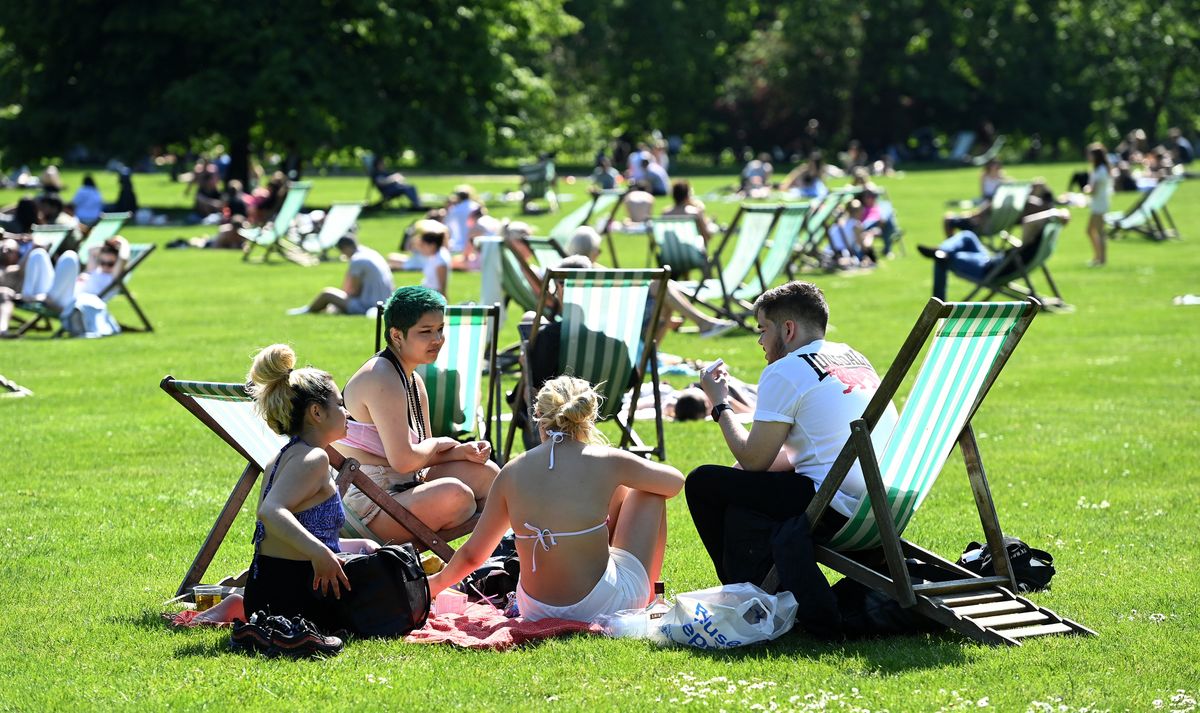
(715, 385)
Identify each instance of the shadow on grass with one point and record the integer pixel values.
(894, 654)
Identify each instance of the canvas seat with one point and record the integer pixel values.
(971, 342)
(275, 237)
(537, 183)
(339, 222)
(677, 242)
(53, 238)
(1149, 216)
(607, 326)
(752, 225)
(108, 226)
(598, 211)
(228, 411)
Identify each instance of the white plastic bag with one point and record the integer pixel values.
(728, 616)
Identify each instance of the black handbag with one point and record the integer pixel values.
(1032, 568)
(389, 593)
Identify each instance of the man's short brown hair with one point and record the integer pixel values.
(798, 301)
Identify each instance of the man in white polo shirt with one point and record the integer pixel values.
(807, 396)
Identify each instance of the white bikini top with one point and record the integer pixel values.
(544, 536)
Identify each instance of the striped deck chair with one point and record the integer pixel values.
(605, 340)
(821, 215)
(455, 381)
(1149, 215)
(784, 239)
(970, 345)
(41, 317)
(1012, 276)
(228, 411)
(1007, 205)
(678, 243)
(753, 225)
(51, 237)
(517, 279)
(339, 221)
(109, 225)
(546, 251)
(599, 211)
(274, 238)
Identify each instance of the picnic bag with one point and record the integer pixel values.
(389, 595)
(729, 616)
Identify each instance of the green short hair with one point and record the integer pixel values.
(407, 304)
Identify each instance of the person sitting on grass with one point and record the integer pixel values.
(431, 243)
(443, 482)
(590, 520)
(296, 567)
(368, 281)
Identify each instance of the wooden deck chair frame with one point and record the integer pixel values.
(42, 319)
(983, 608)
(186, 393)
(704, 292)
(274, 238)
(488, 427)
(108, 226)
(647, 364)
(339, 221)
(1003, 278)
(1149, 216)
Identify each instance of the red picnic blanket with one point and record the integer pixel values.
(483, 626)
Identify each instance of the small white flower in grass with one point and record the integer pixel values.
(1157, 618)
(982, 702)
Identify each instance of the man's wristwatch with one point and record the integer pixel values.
(716, 410)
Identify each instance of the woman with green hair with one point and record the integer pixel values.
(443, 482)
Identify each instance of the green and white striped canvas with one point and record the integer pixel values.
(109, 225)
(513, 282)
(455, 381)
(947, 388)
(755, 227)
(50, 237)
(1008, 202)
(233, 410)
(679, 243)
(282, 223)
(1143, 212)
(545, 250)
(599, 205)
(783, 243)
(602, 328)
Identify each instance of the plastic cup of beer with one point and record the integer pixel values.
(207, 596)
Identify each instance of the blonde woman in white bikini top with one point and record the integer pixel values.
(590, 520)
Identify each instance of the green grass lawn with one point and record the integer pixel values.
(1089, 439)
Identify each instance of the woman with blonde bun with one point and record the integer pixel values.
(299, 510)
(443, 482)
(590, 520)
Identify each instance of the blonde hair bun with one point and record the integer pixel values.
(281, 391)
(572, 406)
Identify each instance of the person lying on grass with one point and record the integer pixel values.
(296, 541)
(443, 482)
(590, 520)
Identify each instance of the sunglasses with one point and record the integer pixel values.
(108, 263)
